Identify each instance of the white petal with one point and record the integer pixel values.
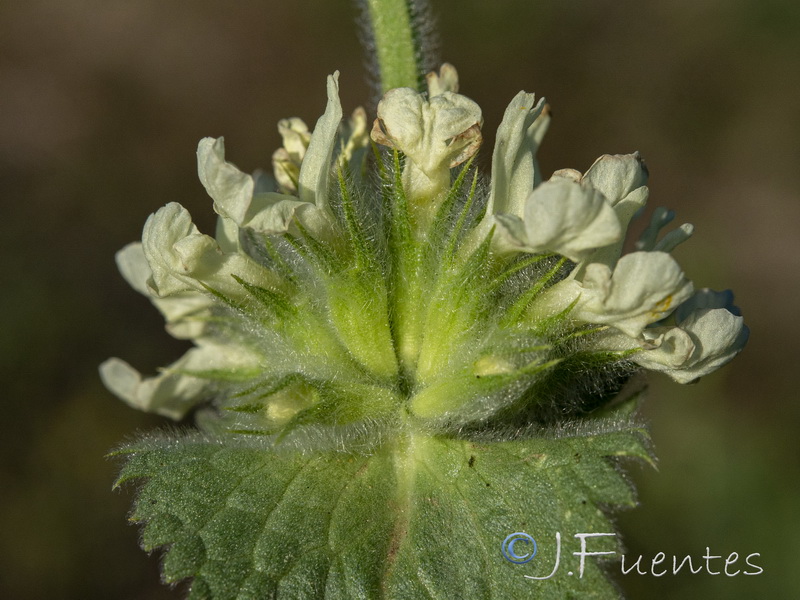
(446, 80)
(565, 217)
(133, 266)
(514, 169)
(170, 395)
(161, 231)
(182, 259)
(215, 355)
(617, 175)
(625, 209)
(227, 234)
(233, 195)
(274, 213)
(631, 205)
(510, 235)
(568, 174)
(175, 391)
(121, 379)
(316, 169)
(287, 172)
(643, 288)
(669, 350)
(182, 311)
(354, 135)
(296, 137)
(718, 335)
(186, 314)
(659, 348)
(231, 190)
(706, 298)
(715, 336)
(434, 135)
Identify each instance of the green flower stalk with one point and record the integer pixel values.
(398, 361)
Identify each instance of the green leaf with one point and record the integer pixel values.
(422, 517)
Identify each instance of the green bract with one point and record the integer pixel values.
(390, 345)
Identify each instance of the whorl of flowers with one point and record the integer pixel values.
(377, 281)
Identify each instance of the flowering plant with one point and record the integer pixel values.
(397, 360)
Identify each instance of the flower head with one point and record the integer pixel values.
(349, 291)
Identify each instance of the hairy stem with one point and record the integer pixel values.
(393, 30)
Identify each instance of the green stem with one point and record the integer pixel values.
(396, 48)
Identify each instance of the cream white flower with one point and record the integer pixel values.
(235, 199)
(515, 171)
(316, 169)
(643, 287)
(622, 179)
(629, 292)
(435, 134)
(446, 80)
(716, 334)
(562, 216)
(354, 141)
(184, 312)
(617, 176)
(168, 394)
(708, 333)
(233, 191)
(181, 259)
(287, 160)
(185, 307)
(586, 227)
(176, 390)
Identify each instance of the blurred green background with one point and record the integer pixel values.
(102, 104)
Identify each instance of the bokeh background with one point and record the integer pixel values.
(102, 103)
